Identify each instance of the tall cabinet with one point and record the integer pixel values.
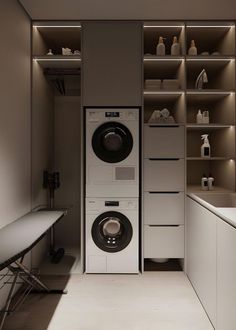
(172, 149)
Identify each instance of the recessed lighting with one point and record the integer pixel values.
(210, 59)
(210, 26)
(163, 92)
(56, 59)
(163, 26)
(57, 26)
(146, 59)
(209, 92)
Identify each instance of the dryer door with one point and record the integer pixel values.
(112, 142)
(112, 231)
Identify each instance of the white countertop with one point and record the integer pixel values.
(228, 214)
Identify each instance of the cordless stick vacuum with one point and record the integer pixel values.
(51, 181)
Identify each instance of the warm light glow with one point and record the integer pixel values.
(146, 59)
(57, 26)
(210, 59)
(56, 59)
(209, 92)
(211, 26)
(163, 92)
(163, 26)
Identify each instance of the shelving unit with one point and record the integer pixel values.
(217, 96)
(215, 42)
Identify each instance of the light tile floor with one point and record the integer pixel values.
(152, 301)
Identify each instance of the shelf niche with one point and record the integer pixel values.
(223, 172)
(55, 36)
(174, 103)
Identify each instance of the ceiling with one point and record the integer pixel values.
(129, 9)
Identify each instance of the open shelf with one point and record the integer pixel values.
(221, 74)
(222, 142)
(175, 103)
(165, 69)
(167, 30)
(212, 37)
(221, 108)
(209, 127)
(223, 171)
(55, 35)
(207, 159)
(59, 61)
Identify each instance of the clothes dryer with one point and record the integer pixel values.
(112, 152)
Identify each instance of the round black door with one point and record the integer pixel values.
(112, 231)
(112, 142)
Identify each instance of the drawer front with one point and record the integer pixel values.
(164, 175)
(163, 209)
(163, 142)
(163, 242)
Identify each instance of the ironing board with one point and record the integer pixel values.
(17, 239)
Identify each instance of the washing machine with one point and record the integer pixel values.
(112, 152)
(112, 229)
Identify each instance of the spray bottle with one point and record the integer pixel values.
(205, 148)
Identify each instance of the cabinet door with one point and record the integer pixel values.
(164, 175)
(163, 209)
(226, 276)
(163, 142)
(201, 255)
(163, 242)
(112, 63)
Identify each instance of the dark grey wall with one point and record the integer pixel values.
(15, 117)
(15, 132)
(131, 9)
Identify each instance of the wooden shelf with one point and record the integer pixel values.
(59, 61)
(206, 126)
(209, 159)
(166, 58)
(198, 188)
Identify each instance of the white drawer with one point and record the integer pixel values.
(163, 209)
(163, 142)
(164, 175)
(163, 242)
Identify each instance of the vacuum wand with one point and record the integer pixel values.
(51, 181)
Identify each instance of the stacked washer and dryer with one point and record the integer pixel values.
(112, 190)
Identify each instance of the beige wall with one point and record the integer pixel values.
(15, 117)
(131, 9)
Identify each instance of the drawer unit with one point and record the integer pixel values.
(163, 208)
(163, 242)
(164, 175)
(163, 142)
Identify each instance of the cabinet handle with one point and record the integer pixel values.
(163, 225)
(163, 159)
(163, 126)
(163, 192)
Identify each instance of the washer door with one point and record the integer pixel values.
(112, 231)
(112, 142)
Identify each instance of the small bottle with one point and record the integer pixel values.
(175, 48)
(50, 52)
(205, 117)
(161, 48)
(205, 148)
(193, 49)
(211, 182)
(204, 182)
(199, 117)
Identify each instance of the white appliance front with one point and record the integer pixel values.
(112, 152)
(112, 235)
